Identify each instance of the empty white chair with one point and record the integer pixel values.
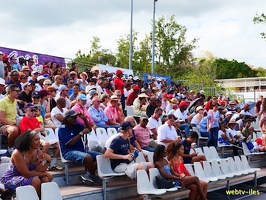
(189, 167)
(207, 153)
(50, 136)
(214, 154)
(240, 166)
(199, 172)
(101, 134)
(93, 145)
(50, 191)
(199, 151)
(233, 168)
(144, 187)
(92, 136)
(26, 192)
(225, 169)
(246, 165)
(217, 170)
(130, 111)
(259, 134)
(208, 171)
(153, 173)
(111, 131)
(3, 167)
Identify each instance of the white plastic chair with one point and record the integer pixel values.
(247, 152)
(144, 187)
(199, 172)
(130, 111)
(225, 169)
(50, 191)
(233, 168)
(66, 162)
(150, 156)
(208, 171)
(199, 151)
(140, 158)
(259, 134)
(190, 169)
(153, 173)
(3, 167)
(214, 154)
(105, 171)
(111, 131)
(56, 133)
(240, 166)
(26, 192)
(217, 170)
(101, 134)
(246, 165)
(200, 137)
(93, 144)
(92, 136)
(207, 153)
(50, 136)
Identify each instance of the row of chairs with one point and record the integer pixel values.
(209, 152)
(211, 171)
(49, 191)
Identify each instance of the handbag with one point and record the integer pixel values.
(164, 183)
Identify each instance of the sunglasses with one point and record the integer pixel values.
(74, 117)
(15, 75)
(36, 97)
(16, 91)
(48, 84)
(33, 110)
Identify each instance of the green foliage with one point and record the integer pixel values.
(260, 19)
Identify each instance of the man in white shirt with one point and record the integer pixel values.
(155, 121)
(58, 112)
(182, 114)
(167, 132)
(2, 87)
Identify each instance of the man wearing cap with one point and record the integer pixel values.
(133, 95)
(119, 85)
(25, 95)
(39, 84)
(8, 111)
(115, 117)
(2, 66)
(182, 113)
(140, 105)
(171, 104)
(72, 148)
(73, 75)
(228, 116)
(2, 88)
(34, 76)
(70, 85)
(79, 107)
(30, 122)
(26, 70)
(14, 79)
(167, 132)
(97, 114)
(119, 154)
(63, 92)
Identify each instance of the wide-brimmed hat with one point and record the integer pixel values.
(199, 108)
(143, 95)
(114, 98)
(174, 100)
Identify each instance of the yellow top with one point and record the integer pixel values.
(10, 109)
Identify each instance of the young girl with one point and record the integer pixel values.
(173, 152)
(190, 182)
(213, 124)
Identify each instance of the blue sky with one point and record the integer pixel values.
(62, 27)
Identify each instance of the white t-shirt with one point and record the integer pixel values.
(166, 132)
(56, 86)
(181, 115)
(56, 111)
(153, 123)
(127, 92)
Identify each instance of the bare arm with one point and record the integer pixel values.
(110, 154)
(159, 166)
(59, 117)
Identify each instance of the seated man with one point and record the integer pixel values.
(72, 148)
(182, 113)
(154, 122)
(57, 112)
(167, 132)
(8, 111)
(194, 157)
(30, 122)
(121, 158)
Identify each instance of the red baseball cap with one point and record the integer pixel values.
(170, 96)
(183, 103)
(165, 95)
(136, 87)
(119, 71)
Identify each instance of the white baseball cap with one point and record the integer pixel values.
(2, 81)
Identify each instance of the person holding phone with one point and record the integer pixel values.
(187, 156)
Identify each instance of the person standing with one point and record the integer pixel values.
(119, 85)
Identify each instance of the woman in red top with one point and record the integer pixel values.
(173, 151)
(119, 85)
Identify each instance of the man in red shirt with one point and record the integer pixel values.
(119, 85)
(29, 122)
(132, 96)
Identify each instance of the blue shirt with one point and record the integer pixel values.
(98, 116)
(65, 135)
(119, 146)
(187, 147)
(203, 124)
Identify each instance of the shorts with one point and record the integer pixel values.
(130, 169)
(3, 129)
(78, 156)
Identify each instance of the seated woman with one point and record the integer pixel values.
(190, 182)
(28, 164)
(173, 152)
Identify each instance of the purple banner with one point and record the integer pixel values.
(38, 58)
